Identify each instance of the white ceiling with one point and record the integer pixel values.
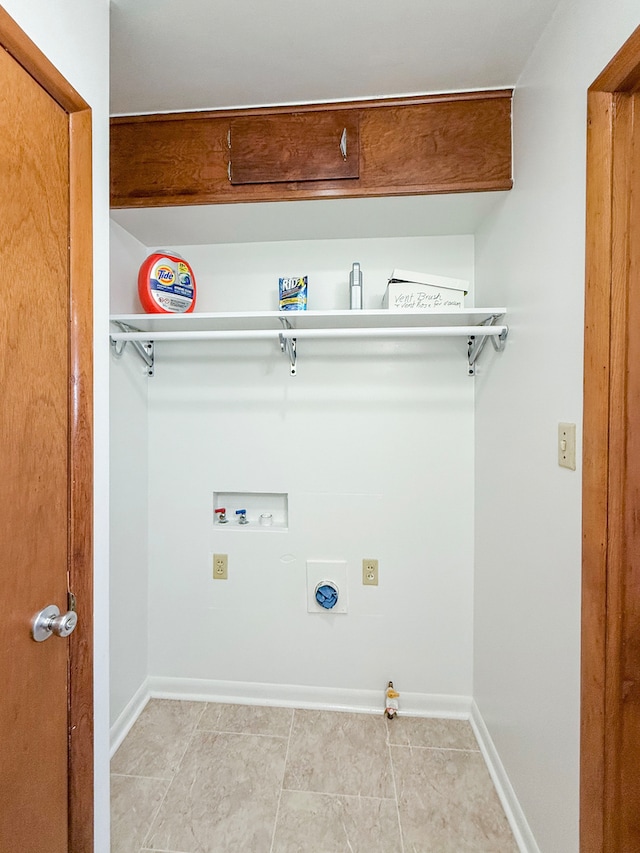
(172, 55)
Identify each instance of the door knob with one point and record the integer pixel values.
(50, 621)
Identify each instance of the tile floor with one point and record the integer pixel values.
(196, 777)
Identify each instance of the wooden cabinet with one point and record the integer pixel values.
(402, 146)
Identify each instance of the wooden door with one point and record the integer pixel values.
(628, 594)
(45, 463)
(610, 738)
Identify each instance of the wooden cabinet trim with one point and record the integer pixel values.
(364, 104)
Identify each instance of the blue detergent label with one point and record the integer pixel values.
(171, 285)
(293, 294)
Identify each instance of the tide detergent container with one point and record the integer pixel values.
(166, 285)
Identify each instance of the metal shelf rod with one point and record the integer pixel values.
(265, 334)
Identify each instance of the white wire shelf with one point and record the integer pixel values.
(144, 330)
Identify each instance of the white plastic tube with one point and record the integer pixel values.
(266, 334)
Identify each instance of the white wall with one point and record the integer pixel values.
(372, 442)
(74, 34)
(129, 626)
(530, 256)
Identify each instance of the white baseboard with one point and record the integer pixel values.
(281, 695)
(300, 696)
(120, 729)
(516, 817)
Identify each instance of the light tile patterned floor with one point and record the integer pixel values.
(197, 777)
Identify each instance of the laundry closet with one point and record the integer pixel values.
(356, 447)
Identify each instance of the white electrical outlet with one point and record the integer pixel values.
(220, 567)
(567, 446)
(370, 572)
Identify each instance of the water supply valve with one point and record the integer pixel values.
(391, 702)
(242, 516)
(221, 515)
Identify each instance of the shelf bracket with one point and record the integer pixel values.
(288, 345)
(476, 343)
(144, 349)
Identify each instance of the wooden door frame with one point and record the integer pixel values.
(611, 270)
(80, 570)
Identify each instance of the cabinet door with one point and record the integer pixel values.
(294, 147)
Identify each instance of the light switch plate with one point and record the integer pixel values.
(567, 446)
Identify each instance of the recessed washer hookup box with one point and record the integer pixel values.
(425, 292)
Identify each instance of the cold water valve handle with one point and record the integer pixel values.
(221, 515)
(242, 516)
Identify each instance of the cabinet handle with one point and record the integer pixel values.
(229, 170)
(343, 144)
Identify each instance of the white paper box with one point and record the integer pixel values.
(408, 291)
